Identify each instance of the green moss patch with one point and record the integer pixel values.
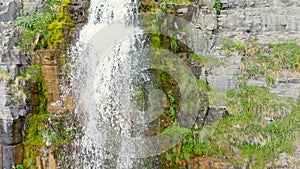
(44, 29)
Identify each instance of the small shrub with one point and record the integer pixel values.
(218, 6)
(43, 29)
(18, 167)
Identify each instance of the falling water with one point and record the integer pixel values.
(104, 62)
(113, 63)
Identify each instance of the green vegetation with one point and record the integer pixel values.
(174, 44)
(44, 130)
(230, 46)
(258, 143)
(43, 29)
(260, 126)
(172, 112)
(280, 57)
(254, 99)
(36, 127)
(62, 21)
(265, 60)
(18, 167)
(244, 138)
(208, 61)
(35, 26)
(218, 6)
(203, 4)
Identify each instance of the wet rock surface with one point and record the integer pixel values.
(270, 21)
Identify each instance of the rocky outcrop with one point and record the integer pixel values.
(9, 10)
(266, 21)
(272, 21)
(55, 62)
(13, 104)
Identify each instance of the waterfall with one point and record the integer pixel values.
(121, 105)
(104, 62)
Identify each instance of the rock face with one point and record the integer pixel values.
(12, 111)
(54, 63)
(13, 107)
(9, 10)
(268, 21)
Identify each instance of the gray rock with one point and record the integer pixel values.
(11, 114)
(11, 155)
(182, 11)
(207, 2)
(224, 78)
(270, 21)
(290, 90)
(11, 12)
(11, 131)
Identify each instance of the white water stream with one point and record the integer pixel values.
(104, 62)
(111, 63)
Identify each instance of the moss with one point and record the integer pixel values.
(43, 129)
(207, 61)
(36, 122)
(56, 27)
(44, 29)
